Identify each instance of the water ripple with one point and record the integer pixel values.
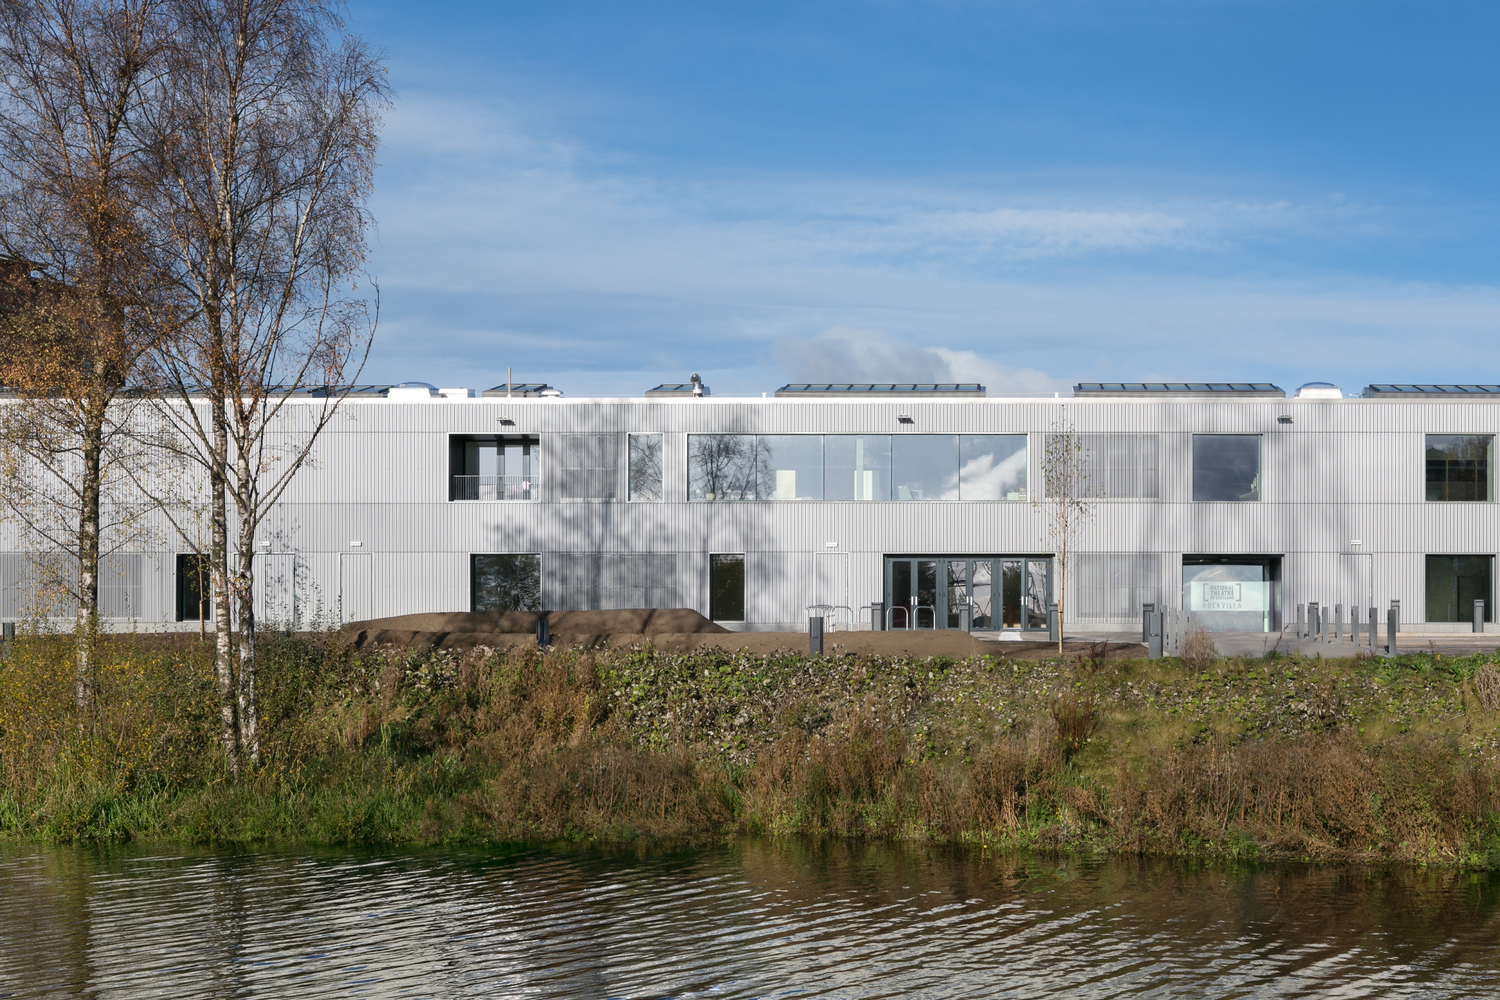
(761, 919)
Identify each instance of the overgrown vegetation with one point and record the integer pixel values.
(1286, 757)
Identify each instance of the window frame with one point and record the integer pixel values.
(1489, 470)
(458, 444)
(474, 557)
(661, 466)
(744, 565)
(1258, 482)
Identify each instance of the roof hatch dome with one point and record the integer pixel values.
(1319, 390)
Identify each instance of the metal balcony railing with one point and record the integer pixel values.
(494, 488)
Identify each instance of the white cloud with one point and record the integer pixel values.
(847, 354)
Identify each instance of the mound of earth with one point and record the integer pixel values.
(500, 629)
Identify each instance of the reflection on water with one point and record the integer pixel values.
(759, 919)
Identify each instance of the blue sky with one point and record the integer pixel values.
(605, 196)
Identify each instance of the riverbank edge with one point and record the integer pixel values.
(602, 748)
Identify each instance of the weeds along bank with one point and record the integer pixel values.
(1394, 759)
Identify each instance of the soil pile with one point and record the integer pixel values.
(504, 629)
(677, 630)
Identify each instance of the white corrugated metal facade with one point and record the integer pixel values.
(367, 529)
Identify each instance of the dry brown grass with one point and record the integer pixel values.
(1318, 795)
(1198, 649)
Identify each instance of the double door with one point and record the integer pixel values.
(977, 593)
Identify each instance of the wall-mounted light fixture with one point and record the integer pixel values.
(355, 545)
(507, 421)
(904, 418)
(1284, 419)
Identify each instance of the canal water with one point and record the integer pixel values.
(756, 919)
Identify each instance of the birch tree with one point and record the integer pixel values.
(266, 132)
(74, 75)
(1068, 495)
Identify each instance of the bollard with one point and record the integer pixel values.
(1301, 621)
(1314, 621)
(1154, 628)
(7, 638)
(1374, 627)
(877, 616)
(1396, 604)
(1147, 610)
(543, 631)
(1392, 617)
(1479, 616)
(1338, 623)
(1053, 625)
(815, 635)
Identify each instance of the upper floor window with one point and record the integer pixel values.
(857, 467)
(1458, 466)
(487, 467)
(1226, 466)
(645, 466)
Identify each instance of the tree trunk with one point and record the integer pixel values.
(92, 448)
(245, 591)
(223, 606)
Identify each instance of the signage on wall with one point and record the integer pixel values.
(1214, 596)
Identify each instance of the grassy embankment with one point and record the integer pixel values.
(1391, 759)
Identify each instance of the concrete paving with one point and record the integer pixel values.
(1259, 643)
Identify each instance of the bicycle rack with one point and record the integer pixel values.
(825, 611)
(912, 616)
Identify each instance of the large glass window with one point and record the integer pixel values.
(1454, 583)
(506, 582)
(645, 466)
(1226, 466)
(726, 587)
(992, 467)
(793, 467)
(924, 466)
(724, 467)
(1458, 468)
(857, 467)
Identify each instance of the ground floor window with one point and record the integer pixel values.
(505, 582)
(726, 587)
(194, 595)
(1454, 583)
(1233, 593)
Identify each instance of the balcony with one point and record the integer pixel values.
(493, 488)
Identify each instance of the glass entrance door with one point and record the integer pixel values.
(979, 593)
(913, 588)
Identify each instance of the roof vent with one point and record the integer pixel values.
(1319, 390)
(410, 391)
